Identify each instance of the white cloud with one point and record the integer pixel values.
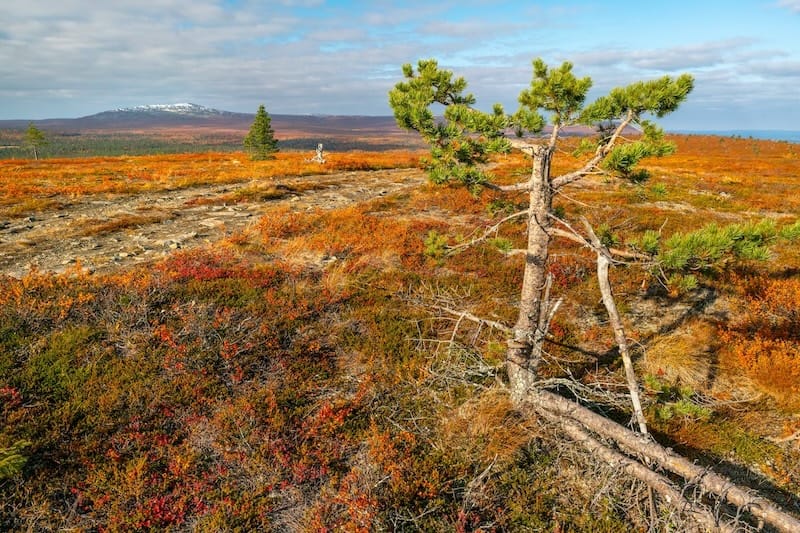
(793, 5)
(76, 57)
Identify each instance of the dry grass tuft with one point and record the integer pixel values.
(488, 427)
(28, 206)
(121, 222)
(684, 356)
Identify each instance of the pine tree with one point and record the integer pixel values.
(260, 140)
(35, 138)
(460, 143)
(462, 140)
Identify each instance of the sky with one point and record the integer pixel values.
(71, 58)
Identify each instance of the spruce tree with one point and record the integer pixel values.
(260, 140)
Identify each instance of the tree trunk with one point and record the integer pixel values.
(525, 346)
(549, 404)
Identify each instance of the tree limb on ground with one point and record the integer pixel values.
(554, 407)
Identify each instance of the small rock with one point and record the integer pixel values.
(174, 246)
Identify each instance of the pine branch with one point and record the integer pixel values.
(602, 151)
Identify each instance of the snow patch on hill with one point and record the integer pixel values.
(184, 108)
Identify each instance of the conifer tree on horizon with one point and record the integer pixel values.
(35, 138)
(260, 140)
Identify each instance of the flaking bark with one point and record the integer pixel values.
(526, 343)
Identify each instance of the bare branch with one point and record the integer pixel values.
(515, 187)
(521, 145)
(603, 264)
(779, 440)
(473, 318)
(574, 236)
(554, 137)
(486, 234)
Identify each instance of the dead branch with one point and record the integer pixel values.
(521, 145)
(473, 318)
(576, 237)
(780, 440)
(663, 486)
(486, 234)
(548, 404)
(603, 264)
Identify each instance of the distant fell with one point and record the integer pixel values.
(191, 121)
(158, 118)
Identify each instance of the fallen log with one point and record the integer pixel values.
(548, 405)
(660, 484)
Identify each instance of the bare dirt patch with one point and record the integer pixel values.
(108, 232)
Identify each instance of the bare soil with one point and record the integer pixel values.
(109, 232)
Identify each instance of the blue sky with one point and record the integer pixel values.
(69, 58)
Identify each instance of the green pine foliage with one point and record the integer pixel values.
(435, 245)
(658, 97)
(555, 90)
(260, 140)
(623, 159)
(463, 139)
(35, 139)
(713, 246)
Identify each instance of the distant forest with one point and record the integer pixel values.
(118, 144)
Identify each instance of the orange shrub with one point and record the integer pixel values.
(775, 310)
(772, 364)
(131, 175)
(763, 338)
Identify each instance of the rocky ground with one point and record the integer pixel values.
(108, 232)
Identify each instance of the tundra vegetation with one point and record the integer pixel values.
(308, 373)
(460, 143)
